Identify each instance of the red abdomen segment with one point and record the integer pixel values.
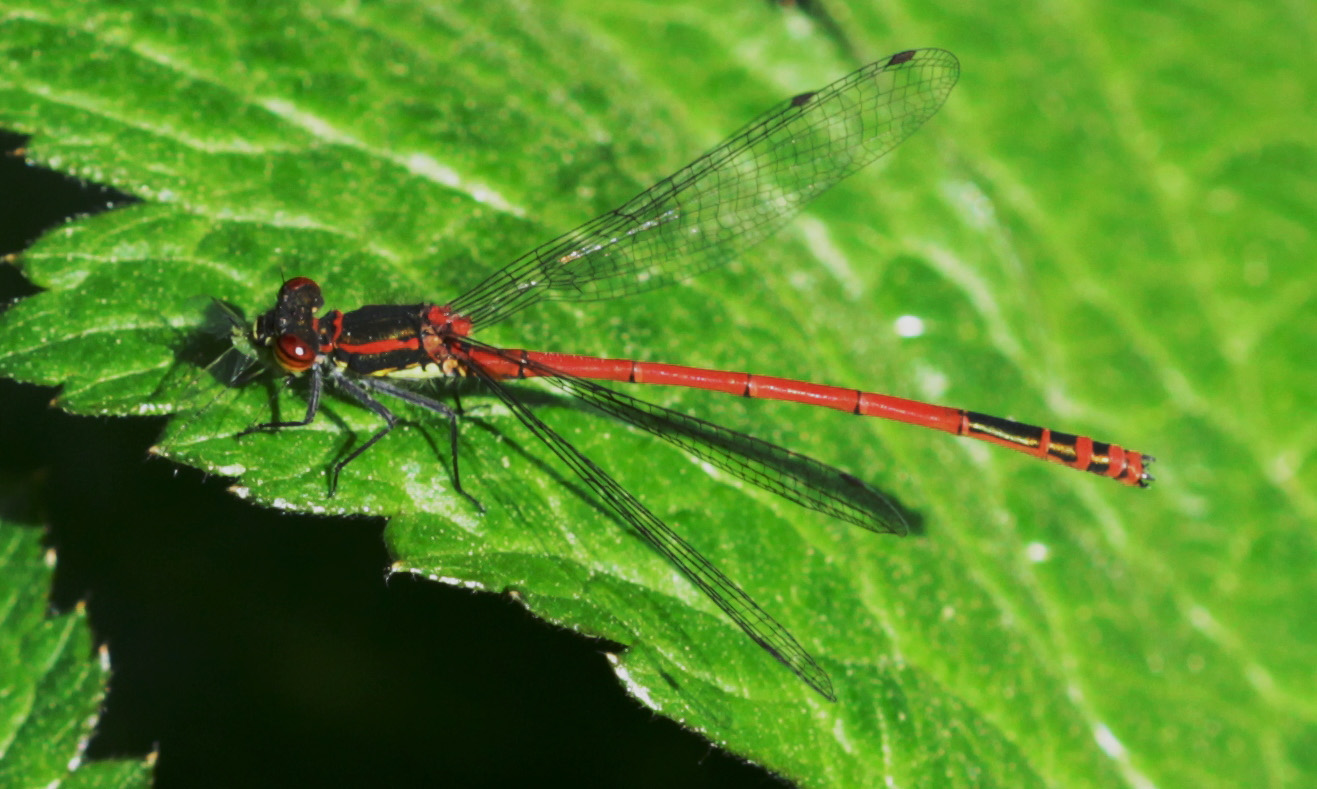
(1080, 452)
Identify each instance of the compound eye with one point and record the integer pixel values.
(301, 292)
(293, 354)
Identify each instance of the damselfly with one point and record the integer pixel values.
(726, 201)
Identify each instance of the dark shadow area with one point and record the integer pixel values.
(33, 200)
(915, 524)
(254, 648)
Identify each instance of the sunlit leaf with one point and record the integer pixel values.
(1107, 230)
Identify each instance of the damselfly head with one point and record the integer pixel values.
(289, 330)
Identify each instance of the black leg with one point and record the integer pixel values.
(312, 408)
(358, 387)
(363, 397)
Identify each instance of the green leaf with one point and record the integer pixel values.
(1106, 230)
(51, 682)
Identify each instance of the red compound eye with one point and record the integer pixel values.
(293, 354)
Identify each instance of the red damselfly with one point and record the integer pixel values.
(724, 202)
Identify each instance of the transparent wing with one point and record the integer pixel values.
(795, 477)
(755, 621)
(731, 198)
